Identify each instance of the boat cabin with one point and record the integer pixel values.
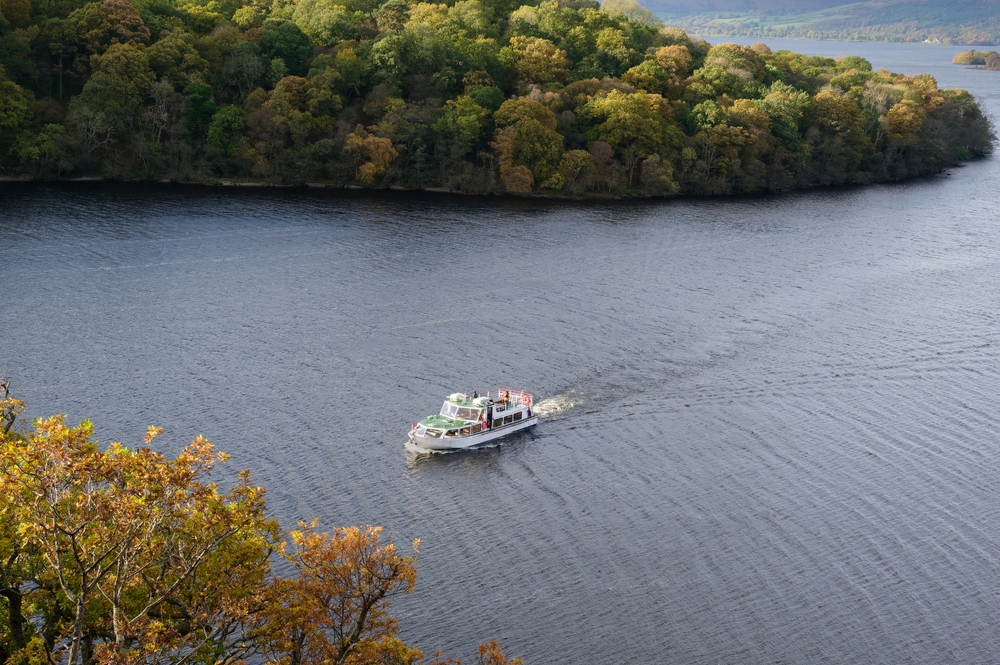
(464, 415)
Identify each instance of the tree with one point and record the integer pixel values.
(371, 154)
(199, 108)
(635, 126)
(141, 560)
(175, 57)
(837, 137)
(526, 138)
(904, 120)
(490, 653)
(16, 564)
(226, 129)
(61, 37)
(142, 548)
(785, 107)
(14, 100)
(327, 22)
(244, 69)
(336, 610)
(536, 60)
(614, 51)
(18, 12)
(284, 39)
(119, 84)
(99, 25)
(419, 76)
(675, 59)
(463, 124)
(40, 149)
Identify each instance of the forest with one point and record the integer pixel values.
(122, 556)
(562, 97)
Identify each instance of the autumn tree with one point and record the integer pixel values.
(17, 564)
(537, 60)
(140, 548)
(635, 126)
(490, 653)
(336, 610)
(836, 134)
(526, 142)
(132, 558)
(371, 154)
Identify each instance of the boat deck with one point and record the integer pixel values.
(517, 397)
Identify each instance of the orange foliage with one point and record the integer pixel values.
(336, 610)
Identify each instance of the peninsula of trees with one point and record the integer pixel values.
(563, 97)
(979, 59)
(121, 556)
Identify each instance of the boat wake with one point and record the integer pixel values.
(557, 405)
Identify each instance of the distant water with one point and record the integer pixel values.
(770, 434)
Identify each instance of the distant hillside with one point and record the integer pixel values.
(946, 21)
(688, 7)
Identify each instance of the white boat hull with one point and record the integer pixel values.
(425, 443)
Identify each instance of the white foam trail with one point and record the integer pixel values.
(556, 405)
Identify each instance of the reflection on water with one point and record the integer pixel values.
(769, 424)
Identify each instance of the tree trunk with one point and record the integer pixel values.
(76, 643)
(14, 617)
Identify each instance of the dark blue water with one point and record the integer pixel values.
(771, 430)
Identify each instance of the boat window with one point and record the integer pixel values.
(517, 416)
(470, 414)
(477, 428)
(421, 431)
(461, 412)
(508, 420)
(450, 434)
(434, 433)
(465, 431)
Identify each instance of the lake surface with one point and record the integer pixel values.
(771, 429)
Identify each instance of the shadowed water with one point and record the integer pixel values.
(770, 429)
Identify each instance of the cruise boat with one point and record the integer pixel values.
(468, 420)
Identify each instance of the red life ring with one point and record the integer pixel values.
(526, 400)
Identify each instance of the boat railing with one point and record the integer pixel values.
(517, 397)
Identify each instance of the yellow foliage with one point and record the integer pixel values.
(538, 60)
(336, 610)
(490, 654)
(745, 113)
(675, 59)
(904, 120)
(372, 154)
(427, 13)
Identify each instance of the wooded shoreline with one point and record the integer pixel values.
(559, 98)
(397, 189)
